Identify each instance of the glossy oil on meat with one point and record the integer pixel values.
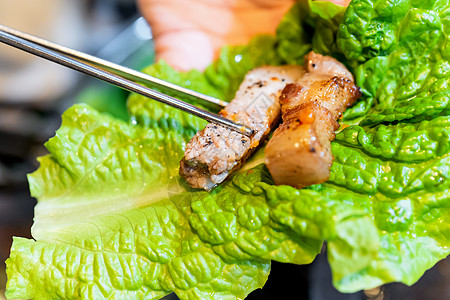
(299, 153)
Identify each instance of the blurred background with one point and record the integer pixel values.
(34, 93)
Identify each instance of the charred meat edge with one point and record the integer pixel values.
(214, 152)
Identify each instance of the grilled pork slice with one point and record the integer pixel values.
(216, 151)
(299, 153)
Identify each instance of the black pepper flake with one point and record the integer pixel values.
(243, 141)
(313, 65)
(312, 149)
(207, 143)
(259, 83)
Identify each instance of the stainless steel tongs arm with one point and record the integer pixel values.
(68, 58)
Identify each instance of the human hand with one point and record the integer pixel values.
(189, 34)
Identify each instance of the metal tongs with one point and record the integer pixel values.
(115, 74)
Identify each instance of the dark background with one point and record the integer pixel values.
(111, 30)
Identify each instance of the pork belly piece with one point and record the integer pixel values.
(216, 151)
(299, 153)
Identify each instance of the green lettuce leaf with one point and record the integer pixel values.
(115, 220)
(396, 177)
(399, 53)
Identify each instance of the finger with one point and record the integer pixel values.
(253, 17)
(341, 2)
(186, 33)
(185, 50)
